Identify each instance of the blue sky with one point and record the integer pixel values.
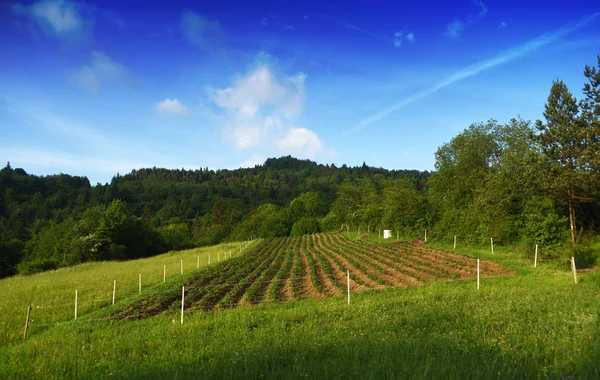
(98, 88)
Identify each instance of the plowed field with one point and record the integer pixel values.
(284, 269)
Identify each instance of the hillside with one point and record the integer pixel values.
(534, 323)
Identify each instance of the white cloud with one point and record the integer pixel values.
(173, 107)
(101, 70)
(300, 141)
(410, 37)
(264, 21)
(260, 112)
(457, 26)
(502, 25)
(200, 31)
(305, 17)
(288, 28)
(56, 17)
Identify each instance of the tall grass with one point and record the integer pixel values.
(52, 294)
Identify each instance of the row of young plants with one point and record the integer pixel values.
(336, 260)
(208, 284)
(299, 270)
(283, 274)
(406, 263)
(233, 288)
(326, 267)
(367, 267)
(315, 275)
(259, 285)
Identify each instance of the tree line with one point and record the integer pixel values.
(522, 182)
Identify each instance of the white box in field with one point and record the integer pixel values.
(387, 234)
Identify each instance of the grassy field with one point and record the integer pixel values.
(52, 294)
(534, 324)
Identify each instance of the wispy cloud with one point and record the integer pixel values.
(171, 107)
(457, 26)
(361, 30)
(205, 34)
(400, 36)
(264, 21)
(59, 18)
(502, 25)
(486, 64)
(102, 70)
(396, 40)
(288, 28)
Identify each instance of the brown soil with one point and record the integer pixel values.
(328, 285)
(388, 274)
(308, 288)
(365, 281)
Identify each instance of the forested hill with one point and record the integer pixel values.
(59, 220)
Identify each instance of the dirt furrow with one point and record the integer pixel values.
(358, 280)
(404, 276)
(365, 281)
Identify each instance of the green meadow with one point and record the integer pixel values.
(535, 324)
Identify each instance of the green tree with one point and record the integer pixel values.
(564, 140)
(590, 113)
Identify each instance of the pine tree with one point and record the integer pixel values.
(564, 141)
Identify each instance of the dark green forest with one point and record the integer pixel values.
(522, 183)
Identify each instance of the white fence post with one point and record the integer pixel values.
(492, 244)
(348, 286)
(75, 304)
(114, 290)
(164, 273)
(535, 258)
(425, 235)
(454, 241)
(182, 302)
(181, 262)
(198, 262)
(477, 273)
(140, 283)
(574, 268)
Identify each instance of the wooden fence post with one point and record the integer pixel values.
(27, 322)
